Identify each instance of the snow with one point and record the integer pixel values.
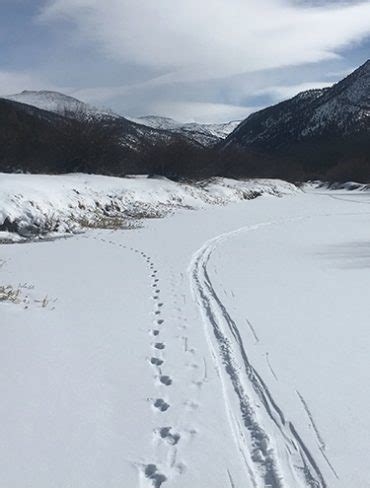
(260, 308)
(41, 204)
(157, 122)
(55, 102)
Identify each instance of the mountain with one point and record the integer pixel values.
(135, 134)
(55, 102)
(37, 140)
(323, 133)
(319, 128)
(342, 109)
(275, 125)
(205, 134)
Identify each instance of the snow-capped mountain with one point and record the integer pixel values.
(53, 102)
(341, 110)
(30, 137)
(204, 134)
(322, 133)
(135, 135)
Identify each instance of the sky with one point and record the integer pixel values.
(193, 60)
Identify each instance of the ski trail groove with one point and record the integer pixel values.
(321, 442)
(260, 433)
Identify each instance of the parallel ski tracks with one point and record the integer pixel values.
(274, 454)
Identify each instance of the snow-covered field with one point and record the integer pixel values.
(223, 348)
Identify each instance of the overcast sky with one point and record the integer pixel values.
(202, 60)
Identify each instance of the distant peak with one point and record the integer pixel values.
(366, 66)
(363, 69)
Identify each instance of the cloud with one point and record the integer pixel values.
(12, 82)
(284, 92)
(145, 102)
(206, 60)
(192, 40)
(200, 112)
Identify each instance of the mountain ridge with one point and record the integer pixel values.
(343, 108)
(204, 134)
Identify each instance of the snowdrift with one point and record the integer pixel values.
(41, 205)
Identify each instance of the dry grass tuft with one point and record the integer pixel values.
(9, 294)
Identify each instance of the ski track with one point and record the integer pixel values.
(320, 439)
(259, 432)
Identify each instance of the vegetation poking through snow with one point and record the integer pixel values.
(9, 294)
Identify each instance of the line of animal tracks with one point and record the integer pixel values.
(165, 464)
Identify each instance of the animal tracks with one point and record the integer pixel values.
(151, 473)
(167, 439)
(157, 361)
(161, 405)
(165, 380)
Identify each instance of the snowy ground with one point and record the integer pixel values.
(37, 205)
(223, 348)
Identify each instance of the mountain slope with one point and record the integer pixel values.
(317, 134)
(26, 137)
(341, 110)
(36, 140)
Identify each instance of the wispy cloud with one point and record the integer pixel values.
(200, 112)
(194, 60)
(214, 38)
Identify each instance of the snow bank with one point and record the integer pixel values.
(33, 205)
